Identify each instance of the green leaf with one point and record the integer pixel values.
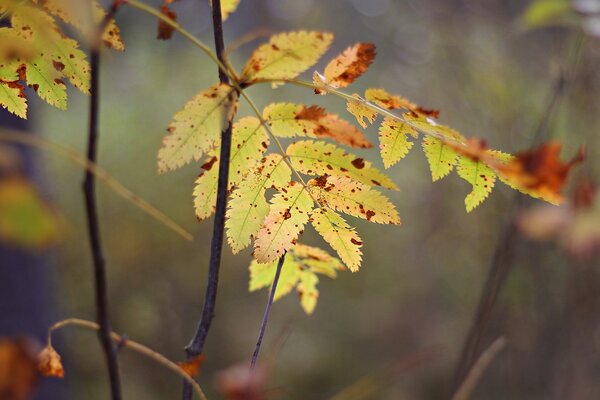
(340, 236)
(289, 212)
(47, 82)
(393, 141)
(248, 207)
(197, 128)
(286, 55)
(318, 158)
(481, 177)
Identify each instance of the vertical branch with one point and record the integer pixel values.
(263, 326)
(503, 256)
(91, 208)
(195, 347)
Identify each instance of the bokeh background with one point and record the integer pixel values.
(395, 329)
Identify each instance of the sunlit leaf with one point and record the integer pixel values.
(361, 112)
(441, 158)
(340, 236)
(352, 63)
(481, 177)
(393, 141)
(13, 99)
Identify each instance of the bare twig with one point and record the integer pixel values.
(465, 390)
(502, 258)
(195, 347)
(89, 189)
(135, 346)
(263, 326)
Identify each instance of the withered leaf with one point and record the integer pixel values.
(192, 366)
(165, 31)
(352, 63)
(49, 363)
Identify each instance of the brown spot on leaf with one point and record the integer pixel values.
(358, 163)
(208, 165)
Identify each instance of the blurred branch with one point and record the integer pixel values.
(89, 189)
(466, 389)
(503, 256)
(195, 347)
(265, 320)
(137, 347)
(101, 174)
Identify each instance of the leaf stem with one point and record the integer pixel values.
(195, 347)
(130, 344)
(91, 208)
(263, 326)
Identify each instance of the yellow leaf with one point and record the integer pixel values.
(393, 141)
(441, 158)
(307, 289)
(290, 120)
(318, 158)
(354, 198)
(340, 236)
(197, 128)
(362, 113)
(13, 99)
(352, 63)
(205, 190)
(248, 207)
(286, 55)
(47, 82)
(480, 176)
(288, 214)
(388, 101)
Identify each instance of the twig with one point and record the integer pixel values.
(101, 174)
(135, 346)
(502, 258)
(466, 389)
(89, 189)
(263, 326)
(195, 347)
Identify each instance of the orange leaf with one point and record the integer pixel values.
(165, 31)
(540, 171)
(49, 362)
(18, 372)
(352, 63)
(192, 367)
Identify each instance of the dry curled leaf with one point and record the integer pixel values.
(192, 366)
(165, 31)
(49, 363)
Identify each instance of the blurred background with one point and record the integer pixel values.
(506, 71)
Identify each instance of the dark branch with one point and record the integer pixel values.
(265, 320)
(195, 347)
(89, 189)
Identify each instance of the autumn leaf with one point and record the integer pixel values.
(481, 177)
(353, 198)
(340, 236)
(290, 120)
(318, 158)
(165, 31)
(540, 172)
(196, 129)
(382, 98)
(363, 114)
(247, 207)
(49, 363)
(441, 158)
(352, 63)
(288, 214)
(192, 366)
(286, 56)
(393, 140)
(300, 268)
(12, 98)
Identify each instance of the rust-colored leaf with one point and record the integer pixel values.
(240, 383)
(49, 363)
(540, 171)
(192, 367)
(18, 371)
(165, 31)
(352, 63)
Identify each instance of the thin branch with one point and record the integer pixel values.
(195, 347)
(130, 344)
(89, 189)
(72, 155)
(502, 259)
(465, 390)
(263, 326)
